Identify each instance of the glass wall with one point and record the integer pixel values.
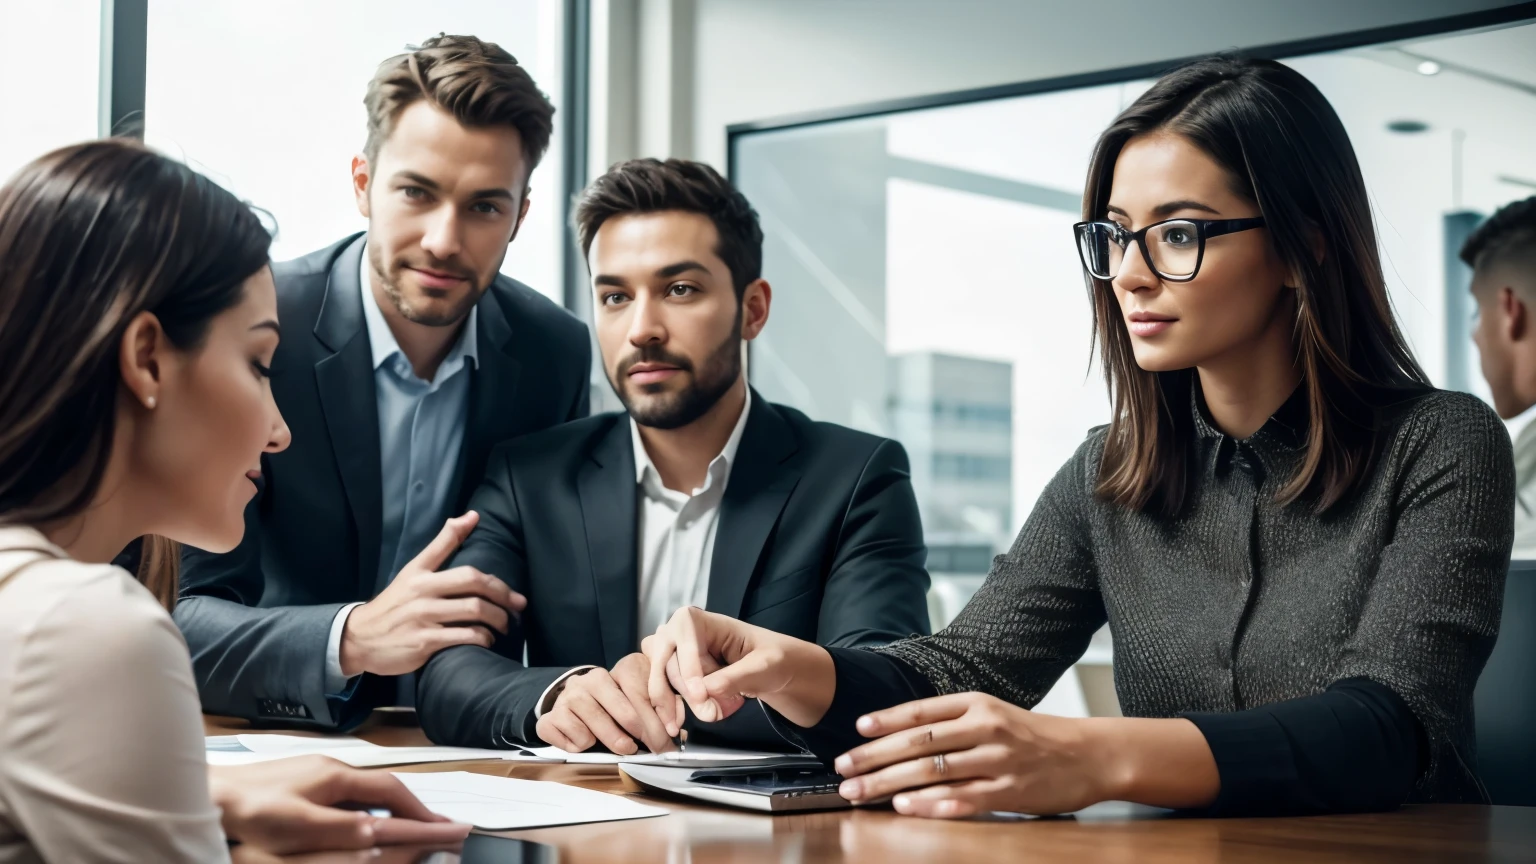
(927, 257)
(51, 67)
(267, 98)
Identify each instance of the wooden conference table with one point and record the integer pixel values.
(693, 834)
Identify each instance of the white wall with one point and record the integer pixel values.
(758, 59)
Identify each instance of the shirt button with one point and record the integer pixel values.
(420, 485)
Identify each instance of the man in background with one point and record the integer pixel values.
(1502, 254)
(405, 357)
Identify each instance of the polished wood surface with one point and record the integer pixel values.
(693, 834)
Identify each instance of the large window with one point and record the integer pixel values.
(267, 98)
(51, 69)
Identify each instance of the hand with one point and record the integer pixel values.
(611, 707)
(997, 756)
(423, 611)
(289, 805)
(721, 662)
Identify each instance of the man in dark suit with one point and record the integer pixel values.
(701, 494)
(405, 357)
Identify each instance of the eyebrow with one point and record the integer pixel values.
(667, 272)
(269, 324)
(497, 192)
(1163, 211)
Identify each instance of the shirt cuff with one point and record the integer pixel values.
(552, 692)
(337, 684)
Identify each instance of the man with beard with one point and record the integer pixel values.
(700, 494)
(405, 357)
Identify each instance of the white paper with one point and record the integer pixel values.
(505, 804)
(249, 749)
(693, 755)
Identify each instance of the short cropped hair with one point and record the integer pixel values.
(477, 82)
(654, 186)
(1510, 231)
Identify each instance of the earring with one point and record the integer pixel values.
(150, 403)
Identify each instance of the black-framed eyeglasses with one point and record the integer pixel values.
(1173, 248)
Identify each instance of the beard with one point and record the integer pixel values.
(709, 382)
(392, 280)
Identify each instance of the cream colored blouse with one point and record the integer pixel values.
(101, 747)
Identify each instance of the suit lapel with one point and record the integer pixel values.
(606, 484)
(491, 417)
(345, 382)
(761, 481)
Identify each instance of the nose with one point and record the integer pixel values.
(281, 436)
(1135, 274)
(441, 239)
(645, 321)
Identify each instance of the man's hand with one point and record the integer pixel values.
(611, 707)
(423, 611)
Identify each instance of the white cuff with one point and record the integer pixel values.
(335, 679)
(552, 692)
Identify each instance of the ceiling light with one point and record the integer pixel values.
(1408, 127)
(1429, 67)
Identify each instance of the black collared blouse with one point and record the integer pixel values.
(1307, 648)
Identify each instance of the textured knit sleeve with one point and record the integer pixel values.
(102, 735)
(1038, 608)
(1431, 615)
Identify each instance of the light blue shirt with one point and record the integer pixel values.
(421, 431)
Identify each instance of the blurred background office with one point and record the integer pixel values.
(917, 166)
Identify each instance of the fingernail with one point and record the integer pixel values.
(843, 765)
(866, 724)
(849, 789)
(368, 830)
(901, 802)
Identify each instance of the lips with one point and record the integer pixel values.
(1145, 324)
(438, 278)
(651, 373)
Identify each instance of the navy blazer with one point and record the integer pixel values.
(257, 619)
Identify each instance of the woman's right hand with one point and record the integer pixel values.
(299, 805)
(716, 663)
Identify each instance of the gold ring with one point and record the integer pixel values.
(938, 763)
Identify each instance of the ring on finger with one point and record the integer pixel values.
(938, 764)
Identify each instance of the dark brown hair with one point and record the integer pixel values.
(1286, 151)
(477, 82)
(91, 236)
(654, 186)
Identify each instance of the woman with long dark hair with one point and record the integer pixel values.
(137, 316)
(1298, 544)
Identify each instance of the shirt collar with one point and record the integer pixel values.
(726, 459)
(465, 351)
(1287, 427)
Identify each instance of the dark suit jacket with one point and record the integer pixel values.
(257, 618)
(819, 538)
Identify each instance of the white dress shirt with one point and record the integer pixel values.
(421, 431)
(677, 539)
(1525, 494)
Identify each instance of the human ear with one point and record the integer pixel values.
(755, 303)
(139, 358)
(362, 176)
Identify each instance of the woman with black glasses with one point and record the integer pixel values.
(1298, 544)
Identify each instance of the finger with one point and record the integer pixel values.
(454, 532)
(466, 610)
(395, 832)
(596, 718)
(470, 582)
(575, 732)
(916, 713)
(379, 789)
(616, 704)
(946, 737)
(685, 638)
(550, 733)
(952, 801)
(316, 828)
(653, 732)
(922, 772)
(447, 637)
(658, 651)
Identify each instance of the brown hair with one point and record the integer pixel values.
(653, 186)
(91, 236)
(477, 82)
(1286, 151)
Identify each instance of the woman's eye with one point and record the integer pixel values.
(1178, 237)
(262, 371)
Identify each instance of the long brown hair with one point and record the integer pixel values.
(90, 236)
(1286, 151)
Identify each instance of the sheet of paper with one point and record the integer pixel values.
(248, 749)
(694, 755)
(505, 804)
